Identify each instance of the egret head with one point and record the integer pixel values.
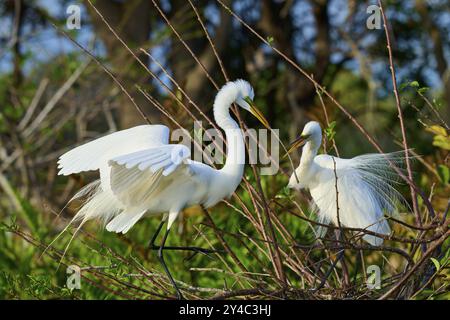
(312, 132)
(245, 100)
(245, 92)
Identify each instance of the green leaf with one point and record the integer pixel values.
(444, 173)
(284, 193)
(403, 85)
(436, 263)
(270, 40)
(436, 129)
(423, 90)
(441, 138)
(442, 142)
(414, 84)
(330, 132)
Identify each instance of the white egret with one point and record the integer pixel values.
(142, 174)
(364, 185)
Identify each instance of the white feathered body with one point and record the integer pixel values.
(364, 187)
(361, 205)
(141, 173)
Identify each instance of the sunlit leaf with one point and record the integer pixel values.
(444, 173)
(436, 263)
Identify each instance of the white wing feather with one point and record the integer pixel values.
(101, 202)
(135, 176)
(376, 170)
(93, 155)
(365, 190)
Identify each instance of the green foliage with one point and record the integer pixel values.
(444, 173)
(441, 137)
(330, 131)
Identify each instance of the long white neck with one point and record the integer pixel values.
(234, 165)
(310, 150)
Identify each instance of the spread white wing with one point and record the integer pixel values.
(134, 164)
(136, 176)
(95, 154)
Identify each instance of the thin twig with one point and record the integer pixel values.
(107, 71)
(400, 117)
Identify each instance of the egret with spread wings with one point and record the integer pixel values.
(142, 174)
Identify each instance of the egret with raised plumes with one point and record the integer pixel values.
(142, 174)
(354, 193)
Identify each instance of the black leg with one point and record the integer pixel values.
(196, 250)
(328, 273)
(152, 242)
(339, 237)
(166, 269)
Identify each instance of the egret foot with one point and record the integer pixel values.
(329, 271)
(206, 252)
(196, 250)
(166, 269)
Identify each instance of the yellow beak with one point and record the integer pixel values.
(297, 143)
(258, 114)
